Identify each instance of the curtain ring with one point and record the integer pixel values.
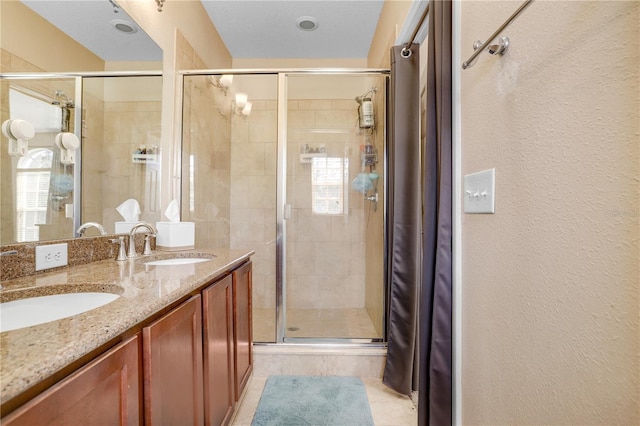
(405, 53)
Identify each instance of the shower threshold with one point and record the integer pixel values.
(326, 342)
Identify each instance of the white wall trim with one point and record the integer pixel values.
(457, 210)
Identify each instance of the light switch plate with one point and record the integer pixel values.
(51, 256)
(479, 192)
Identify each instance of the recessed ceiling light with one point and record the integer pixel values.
(123, 26)
(307, 23)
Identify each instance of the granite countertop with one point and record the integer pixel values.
(32, 354)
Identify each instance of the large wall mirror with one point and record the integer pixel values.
(114, 114)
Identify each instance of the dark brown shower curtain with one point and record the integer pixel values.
(404, 220)
(435, 393)
(420, 299)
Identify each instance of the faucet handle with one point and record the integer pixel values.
(122, 251)
(147, 244)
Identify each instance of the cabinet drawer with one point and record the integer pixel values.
(105, 391)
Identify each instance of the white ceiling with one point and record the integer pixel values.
(267, 28)
(250, 29)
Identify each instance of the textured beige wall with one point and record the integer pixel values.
(187, 18)
(551, 280)
(393, 15)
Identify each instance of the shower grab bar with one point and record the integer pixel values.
(479, 49)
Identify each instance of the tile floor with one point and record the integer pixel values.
(388, 408)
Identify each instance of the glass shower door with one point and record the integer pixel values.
(333, 210)
(229, 176)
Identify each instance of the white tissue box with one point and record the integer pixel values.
(175, 235)
(125, 227)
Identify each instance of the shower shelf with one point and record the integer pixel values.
(145, 158)
(308, 157)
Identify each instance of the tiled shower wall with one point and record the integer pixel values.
(326, 255)
(206, 134)
(127, 125)
(375, 230)
(253, 195)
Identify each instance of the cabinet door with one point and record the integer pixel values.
(242, 326)
(172, 367)
(104, 392)
(217, 312)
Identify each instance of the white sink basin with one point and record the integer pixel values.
(177, 261)
(42, 309)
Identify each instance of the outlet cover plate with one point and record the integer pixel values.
(480, 192)
(51, 256)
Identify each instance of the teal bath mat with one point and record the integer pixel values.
(313, 400)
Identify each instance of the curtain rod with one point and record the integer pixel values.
(479, 47)
(418, 26)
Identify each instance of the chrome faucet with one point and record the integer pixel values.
(81, 230)
(147, 244)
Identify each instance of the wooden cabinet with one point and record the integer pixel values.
(106, 391)
(242, 333)
(219, 379)
(172, 367)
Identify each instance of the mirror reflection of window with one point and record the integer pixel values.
(32, 190)
(329, 177)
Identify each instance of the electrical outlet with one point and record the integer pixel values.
(51, 256)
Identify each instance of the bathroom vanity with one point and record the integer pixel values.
(175, 347)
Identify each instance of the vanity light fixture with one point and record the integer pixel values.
(223, 83)
(160, 3)
(247, 109)
(241, 105)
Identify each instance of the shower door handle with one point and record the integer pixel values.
(287, 212)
